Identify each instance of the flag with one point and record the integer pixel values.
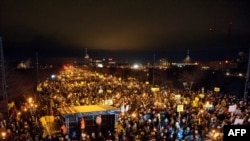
(43, 121)
(64, 129)
(11, 105)
(82, 123)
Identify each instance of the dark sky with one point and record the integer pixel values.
(155, 26)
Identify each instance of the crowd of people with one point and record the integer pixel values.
(148, 113)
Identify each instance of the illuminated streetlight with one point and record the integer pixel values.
(3, 134)
(240, 74)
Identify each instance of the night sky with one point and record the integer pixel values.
(210, 29)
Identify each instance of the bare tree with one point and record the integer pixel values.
(189, 77)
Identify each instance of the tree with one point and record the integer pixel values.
(188, 77)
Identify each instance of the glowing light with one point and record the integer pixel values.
(3, 134)
(216, 135)
(133, 115)
(30, 99)
(135, 66)
(201, 111)
(53, 76)
(99, 65)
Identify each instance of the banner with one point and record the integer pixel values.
(232, 108)
(43, 121)
(108, 102)
(177, 97)
(109, 91)
(216, 89)
(49, 118)
(201, 96)
(11, 105)
(155, 89)
(238, 121)
(179, 108)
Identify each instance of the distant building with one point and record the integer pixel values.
(86, 60)
(99, 62)
(162, 63)
(186, 62)
(221, 65)
(111, 62)
(24, 65)
(86, 54)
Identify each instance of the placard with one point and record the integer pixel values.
(179, 108)
(238, 121)
(232, 108)
(177, 97)
(216, 89)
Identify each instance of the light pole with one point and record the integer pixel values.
(4, 86)
(247, 78)
(37, 74)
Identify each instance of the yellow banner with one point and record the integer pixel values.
(216, 89)
(177, 96)
(179, 108)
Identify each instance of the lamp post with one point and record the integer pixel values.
(247, 79)
(5, 95)
(3, 135)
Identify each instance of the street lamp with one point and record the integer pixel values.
(3, 135)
